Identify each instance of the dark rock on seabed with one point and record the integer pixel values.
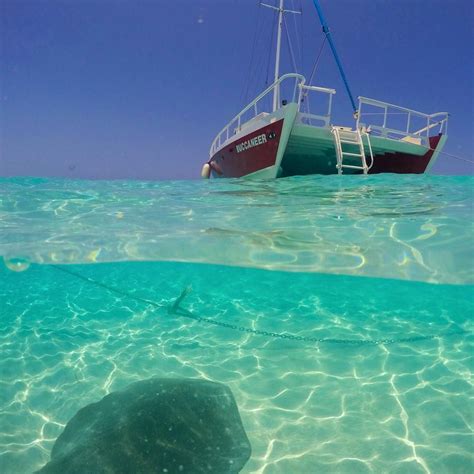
(155, 426)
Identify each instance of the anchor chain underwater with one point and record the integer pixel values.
(175, 309)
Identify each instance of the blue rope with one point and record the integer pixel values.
(334, 52)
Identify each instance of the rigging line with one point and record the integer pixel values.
(270, 48)
(316, 62)
(327, 33)
(454, 156)
(290, 46)
(449, 154)
(176, 309)
(305, 96)
(257, 30)
(302, 37)
(298, 47)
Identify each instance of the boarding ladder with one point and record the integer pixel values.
(348, 139)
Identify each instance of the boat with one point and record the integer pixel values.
(286, 137)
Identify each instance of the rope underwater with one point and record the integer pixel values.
(177, 310)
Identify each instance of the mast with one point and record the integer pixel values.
(334, 52)
(281, 10)
(276, 90)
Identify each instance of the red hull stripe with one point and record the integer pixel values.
(248, 154)
(403, 162)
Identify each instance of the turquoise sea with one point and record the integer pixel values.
(339, 311)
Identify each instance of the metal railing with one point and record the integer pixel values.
(307, 117)
(408, 118)
(251, 111)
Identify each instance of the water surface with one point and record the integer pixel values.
(338, 311)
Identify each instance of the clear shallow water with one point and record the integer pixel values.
(410, 227)
(378, 376)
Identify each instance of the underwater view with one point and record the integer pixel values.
(338, 312)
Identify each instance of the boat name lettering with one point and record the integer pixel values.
(259, 140)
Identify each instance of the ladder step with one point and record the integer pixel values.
(351, 154)
(353, 167)
(349, 135)
(355, 142)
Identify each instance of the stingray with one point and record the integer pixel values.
(155, 426)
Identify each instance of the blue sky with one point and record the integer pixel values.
(138, 89)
